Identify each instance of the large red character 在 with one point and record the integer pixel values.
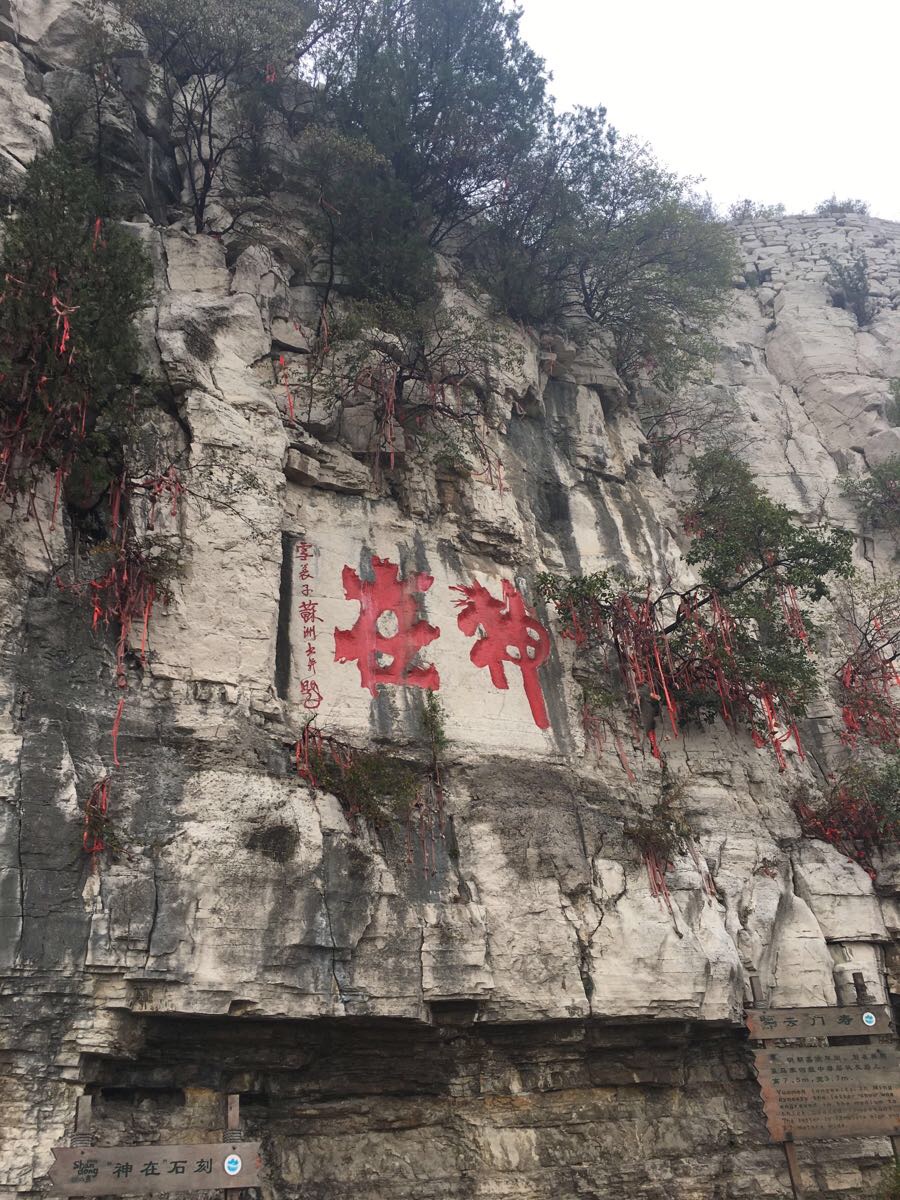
(509, 633)
(384, 649)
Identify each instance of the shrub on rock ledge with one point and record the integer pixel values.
(860, 814)
(877, 494)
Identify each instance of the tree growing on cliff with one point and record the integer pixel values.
(877, 494)
(213, 55)
(74, 281)
(446, 92)
(741, 536)
(655, 268)
(433, 130)
(860, 812)
(849, 284)
(426, 373)
(524, 250)
(868, 681)
(737, 644)
(593, 228)
(364, 220)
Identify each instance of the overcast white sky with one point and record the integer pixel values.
(786, 102)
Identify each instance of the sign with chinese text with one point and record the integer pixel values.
(380, 617)
(819, 1022)
(830, 1091)
(140, 1170)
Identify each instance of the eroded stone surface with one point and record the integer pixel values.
(491, 1003)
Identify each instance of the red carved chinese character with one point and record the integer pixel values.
(309, 690)
(509, 633)
(309, 612)
(386, 657)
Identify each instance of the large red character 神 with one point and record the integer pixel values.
(385, 657)
(509, 633)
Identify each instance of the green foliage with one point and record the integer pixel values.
(750, 551)
(760, 648)
(429, 368)
(663, 834)
(742, 537)
(832, 207)
(375, 785)
(220, 38)
(892, 407)
(366, 220)
(443, 137)
(657, 269)
(212, 55)
(860, 813)
(371, 784)
(879, 782)
(850, 287)
(877, 494)
(433, 726)
(446, 92)
(751, 210)
(68, 347)
(579, 598)
(527, 248)
(737, 644)
(383, 255)
(593, 226)
(889, 1184)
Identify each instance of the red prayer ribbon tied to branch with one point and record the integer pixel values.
(849, 822)
(286, 384)
(95, 817)
(870, 696)
(705, 662)
(311, 748)
(45, 419)
(124, 598)
(158, 487)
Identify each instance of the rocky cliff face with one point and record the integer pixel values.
(487, 1000)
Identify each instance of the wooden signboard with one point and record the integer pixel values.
(825, 1091)
(819, 1022)
(830, 1091)
(141, 1170)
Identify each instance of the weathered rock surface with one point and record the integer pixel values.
(488, 1003)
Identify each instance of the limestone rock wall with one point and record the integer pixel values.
(491, 1002)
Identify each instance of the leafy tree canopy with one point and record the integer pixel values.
(447, 93)
(68, 347)
(877, 494)
(741, 535)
